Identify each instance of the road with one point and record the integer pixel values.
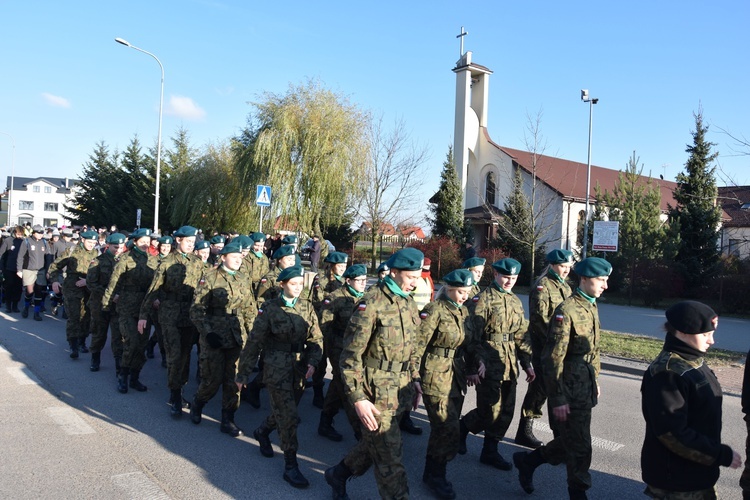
(67, 433)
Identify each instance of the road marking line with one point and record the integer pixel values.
(69, 421)
(138, 486)
(22, 375)
(595, 441)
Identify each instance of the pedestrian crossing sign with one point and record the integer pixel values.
(263, 196)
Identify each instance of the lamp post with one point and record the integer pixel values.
(585, 98)
(158, 142)
(12, 171)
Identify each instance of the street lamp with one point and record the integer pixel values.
(585, 98)
(12, 171)
(158, 142)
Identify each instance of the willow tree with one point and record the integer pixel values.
(309, 145)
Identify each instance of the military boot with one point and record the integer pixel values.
(576, 494)
(336, 478)
(227, 424)
(318, 397)
(292, 474)
(490, 455)
(15, 307)
(526, 463)
(135, 383)
(406, 424)
(525, 435)
(96, 359)
(82, 345)
(463, 434)
(122, 380)
(325, 428)
(37, 313)
(434, 478)
(261, 434)
(196, 411)
(73, 343)
(175, 403)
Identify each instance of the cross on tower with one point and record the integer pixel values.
(461, 37)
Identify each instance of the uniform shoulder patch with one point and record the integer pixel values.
(260, 312)
(540, 287)
(559, 317)
(263, 280)
(475, 298)
(423, 314)
(326, 301)
(202, 281)
(362, 306)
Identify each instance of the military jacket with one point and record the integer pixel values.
(498, 324)
(548, 293)
(321, 287)
(441, 336)
(267, 288)
(287, 335)
(76, 265)
(336, 311)
(214, 259)
(130, 279)
(570, 358)
(174, 285)
(223, 306)
(99, 274)
(256, 267)
(381, 354)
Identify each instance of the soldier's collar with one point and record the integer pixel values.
(289, 303)
(552, 273)
(354, 292)
(227, 270)
(583, 294)
(499, 288)
(393, 287)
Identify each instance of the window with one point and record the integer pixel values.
(50, 222)
(734, 247)
(25, 205)
(36, 189)
(22, 219)
(47, 189)
(50, 207)
(489, 190)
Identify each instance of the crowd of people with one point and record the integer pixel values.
(259, 321)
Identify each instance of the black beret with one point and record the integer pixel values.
(692, 317)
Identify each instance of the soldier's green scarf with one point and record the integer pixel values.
(258, 254)
(392, 286)
(458, 306)
(138, 250)
(499, 288)
(555, 275)
(355, 293)
(582, 294)
(287, 302)
(228, 271)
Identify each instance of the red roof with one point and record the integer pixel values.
(386, 228)
(731, 200)
(415, 230)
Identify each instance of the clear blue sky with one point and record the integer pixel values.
(67, 85)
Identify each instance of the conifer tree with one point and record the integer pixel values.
(447, 204)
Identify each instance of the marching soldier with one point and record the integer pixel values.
(268, 289)
(203, 251)
(549, 291)
(570, 361)
(98, 277)
(75, 292)
(476, 266)
(221, 311)
(380, 367)
(256, 263)
(287, 330)
(217, 243)
(499, 325)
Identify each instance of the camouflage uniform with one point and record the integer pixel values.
(76, 298)
(221, 310)
(378, 362)
(441, 334)
(268, 288)
(322, 287)
(291, 339)
(256, 267)
(130, 280)
(173, 285)
(500, 327)
(571, 370)
(550, 291)
(97, 278)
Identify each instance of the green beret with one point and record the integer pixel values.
(692, 317)
(355, 270)
(507, 267)
(283, 251)
(166, 240)
(407, 259)
(232, 247)
(459, 277)
(291, 272)
(200, 245)
(289, 239)
(258, 237)
(383, 267)
(217, 239)
(336, 258)
(592, 267)
(185, 231)
(116, 239)
(141, 233)
(90, 235)
(243, 241)
(560, 256)
(473, 262)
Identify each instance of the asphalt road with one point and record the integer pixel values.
(67, 433)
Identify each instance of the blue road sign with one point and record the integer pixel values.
(263, 196)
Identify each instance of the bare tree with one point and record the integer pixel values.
(391, 178)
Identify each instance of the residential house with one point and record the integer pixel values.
(40, 200)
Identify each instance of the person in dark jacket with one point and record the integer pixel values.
(9, 259)
(681, 402)
(745, 478)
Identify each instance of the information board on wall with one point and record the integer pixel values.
(606, 234)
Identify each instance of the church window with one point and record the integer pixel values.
(489, 195)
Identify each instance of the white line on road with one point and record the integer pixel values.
(595, 441)
(67, 419)
(138, 486)
(22, 375)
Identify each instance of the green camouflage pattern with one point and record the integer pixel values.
(256, 267)
(267, 288)
(75, 265)
(98, 277)
(661, 494)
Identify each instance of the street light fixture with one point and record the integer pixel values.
(585, 98)
(12, 171)
(158, 142)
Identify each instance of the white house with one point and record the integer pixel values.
(40, 200)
